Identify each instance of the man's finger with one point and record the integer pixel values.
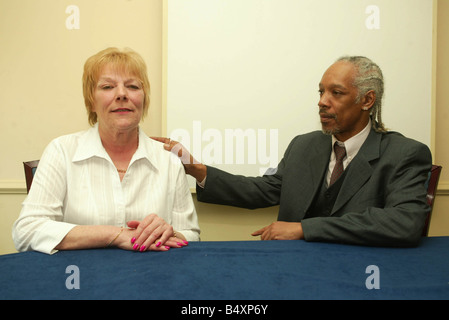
(258, 232)
(161, 139)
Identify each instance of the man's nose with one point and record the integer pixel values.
(323, 102)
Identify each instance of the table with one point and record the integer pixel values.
(240, 270)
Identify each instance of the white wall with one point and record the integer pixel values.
(255, 65)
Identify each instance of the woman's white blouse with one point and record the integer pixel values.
(77, 183)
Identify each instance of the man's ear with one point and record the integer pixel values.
(368, 100)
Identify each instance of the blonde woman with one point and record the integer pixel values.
(109, 186)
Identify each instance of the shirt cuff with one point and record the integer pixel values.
(202, 183)
(46, 241)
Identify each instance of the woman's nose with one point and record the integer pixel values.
(121, 93)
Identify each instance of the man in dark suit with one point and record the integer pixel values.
(376, 196)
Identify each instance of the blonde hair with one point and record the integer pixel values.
(127, 61)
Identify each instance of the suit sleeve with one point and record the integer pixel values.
(399, 222)
(240, 191)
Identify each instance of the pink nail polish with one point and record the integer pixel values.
(158, 244)
(133, 240)
(142, 248)
(167, 247)
(186, 242)
(135, 246)
(179, 244)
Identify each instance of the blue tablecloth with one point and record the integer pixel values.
(246, 270)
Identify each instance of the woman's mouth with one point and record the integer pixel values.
(122, 110)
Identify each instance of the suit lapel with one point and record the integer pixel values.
(317, 166)
(359, 170)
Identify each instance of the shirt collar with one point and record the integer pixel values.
(354, 143)
(90, 145)
(148, 149)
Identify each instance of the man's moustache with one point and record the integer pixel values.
(325, 114)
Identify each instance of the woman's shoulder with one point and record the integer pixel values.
(156, 152)
(68, 143)
(67, 138)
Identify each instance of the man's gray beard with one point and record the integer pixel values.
(332, 132)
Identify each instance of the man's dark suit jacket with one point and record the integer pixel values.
(382, 201)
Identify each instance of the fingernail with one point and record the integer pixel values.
(135, 246)
(133, 240)
(142, 248)
(186, 242)
(158, 244)
(179, 244)
(167, 247)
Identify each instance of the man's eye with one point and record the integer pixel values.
(320, 92)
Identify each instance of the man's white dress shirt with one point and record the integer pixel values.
(77, 183)
(352, 146)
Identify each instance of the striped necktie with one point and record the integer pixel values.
(340, 153)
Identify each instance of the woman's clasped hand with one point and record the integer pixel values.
(151, 234)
